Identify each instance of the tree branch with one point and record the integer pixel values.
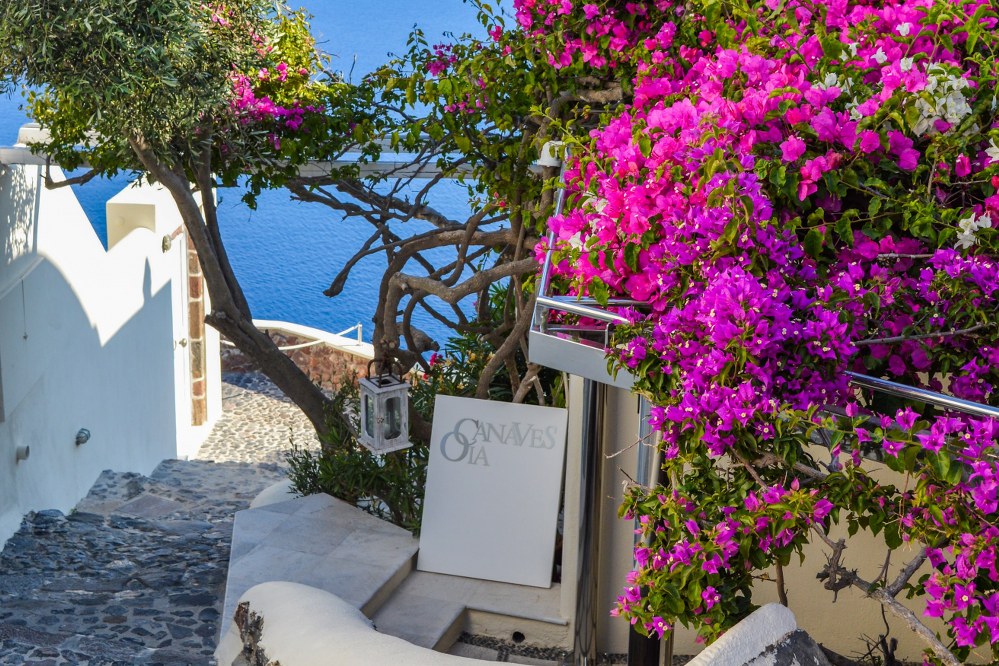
(206, 183)
(78, 180)
(906, 573)
(527, 382)
(474, 284)
(766, 459)
(781, 589)
(836, 578)
(509, 345)
(924, 336)
(911, 620)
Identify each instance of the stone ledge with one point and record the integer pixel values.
(334, 358)
(768, 637)
(297, 625)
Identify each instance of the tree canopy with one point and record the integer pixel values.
(163, 88)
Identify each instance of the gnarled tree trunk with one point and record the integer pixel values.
(230, 314)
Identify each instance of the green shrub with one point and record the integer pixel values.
(391, 486)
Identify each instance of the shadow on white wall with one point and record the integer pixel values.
(88, 339)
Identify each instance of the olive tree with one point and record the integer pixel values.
(477, 111)
(163, 89)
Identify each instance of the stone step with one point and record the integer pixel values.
(133, 575)
(180, 489)
(321, 542)
(423, 620)
(432, 610)
(22, 644)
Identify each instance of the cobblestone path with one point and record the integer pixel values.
(260, 424)
(136, 573)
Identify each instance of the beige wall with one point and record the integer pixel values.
(616, 534)
(841, 626)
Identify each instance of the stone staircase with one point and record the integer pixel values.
(325, 543)
(133, 575)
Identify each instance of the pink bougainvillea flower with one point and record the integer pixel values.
(901, 146)
(792, 148)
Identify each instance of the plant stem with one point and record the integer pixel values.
(922, 336)
(781, 589)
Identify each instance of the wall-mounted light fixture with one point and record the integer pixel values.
(22, 453)
(552, 154)
(82, 437)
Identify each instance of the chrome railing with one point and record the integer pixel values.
(568, 347)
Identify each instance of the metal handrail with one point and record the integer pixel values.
(587, 307)
(923, 395)
(875, 383)
(356, 327)
(581, 310)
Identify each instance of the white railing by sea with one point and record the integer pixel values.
(317, 336)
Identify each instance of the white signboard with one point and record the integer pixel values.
(493, 483)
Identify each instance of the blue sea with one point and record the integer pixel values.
(286, 253)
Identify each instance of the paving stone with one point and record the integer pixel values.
(135, 573)
(150, 506)
(20, 584)
(23, 634)
(266, 424)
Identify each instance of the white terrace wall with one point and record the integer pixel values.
(88, 339)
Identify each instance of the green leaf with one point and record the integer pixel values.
(645, 145)
(631, 251)
(813, 242)
(874, 206)
(893, 535)
(599, 291)
(954, 475)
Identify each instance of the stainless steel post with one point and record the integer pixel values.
(584, 647)
(642, 650)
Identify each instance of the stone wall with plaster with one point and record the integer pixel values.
(297, 625)
(328, 362)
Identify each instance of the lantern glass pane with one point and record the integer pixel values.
(393, 417)
(368, 410)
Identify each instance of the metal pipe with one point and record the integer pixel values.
(559, 207)
(876, 383)
(584, 647)
(32, 133)
(581, 310)
(586, 300)
(923, 395)
(356, 327)
(538, 320)
(576, 329)
(645, 650)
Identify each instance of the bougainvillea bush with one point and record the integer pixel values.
(797, 190)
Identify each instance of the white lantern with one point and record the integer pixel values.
(384, 413)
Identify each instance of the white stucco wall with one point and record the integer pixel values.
(86, 341)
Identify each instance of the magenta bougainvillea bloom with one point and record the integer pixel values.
(796, 189)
